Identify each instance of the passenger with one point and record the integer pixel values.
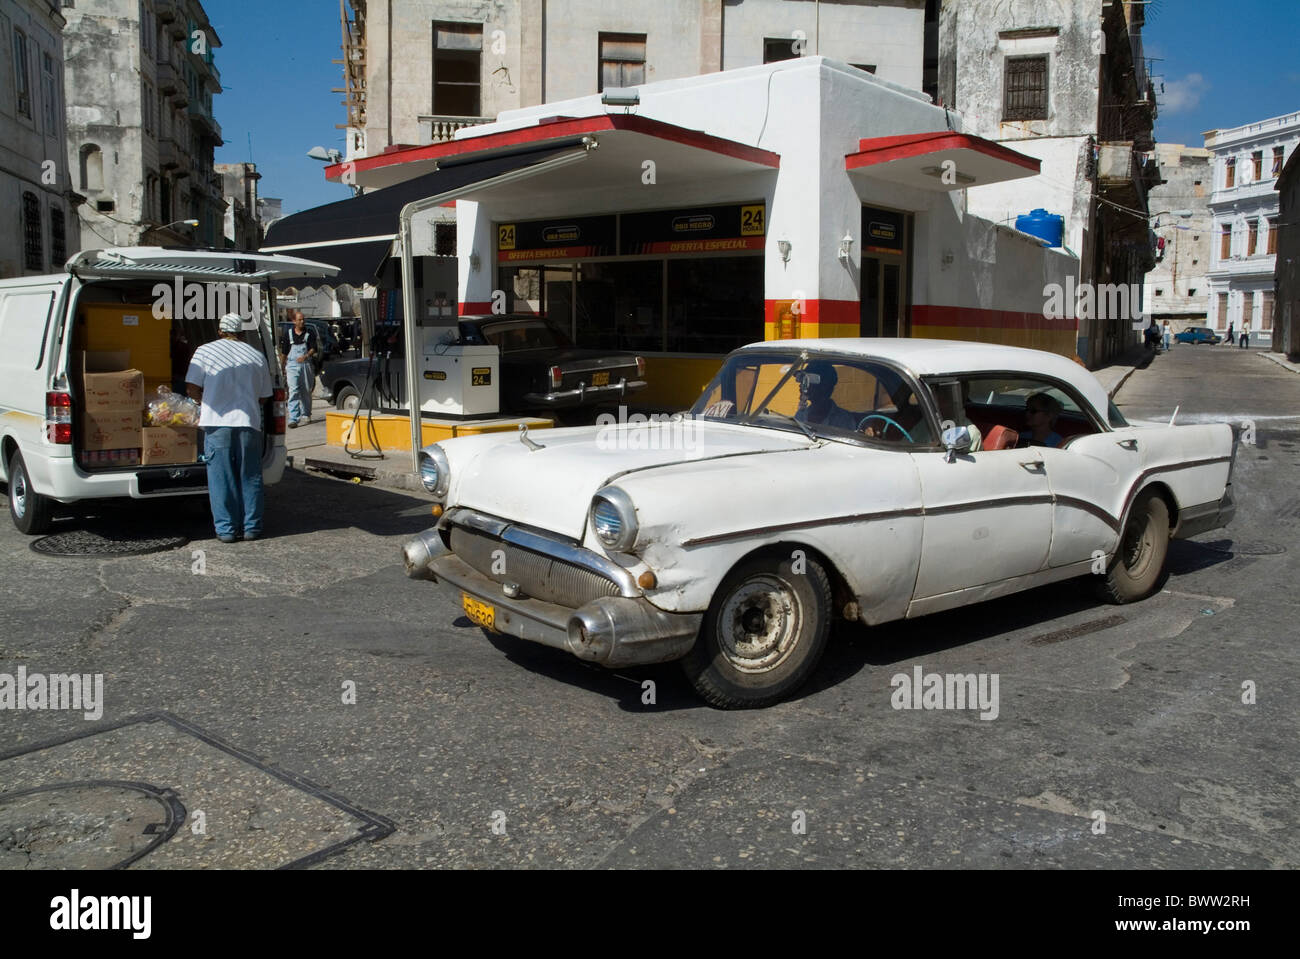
(1041, 412)
(816, 408)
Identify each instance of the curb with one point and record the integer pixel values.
(1281, 360)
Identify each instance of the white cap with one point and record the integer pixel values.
(232, 323)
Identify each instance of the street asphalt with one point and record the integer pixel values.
(299, 700)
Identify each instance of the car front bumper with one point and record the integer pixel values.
(613, 631)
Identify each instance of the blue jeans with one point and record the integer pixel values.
(234, 455)
(301, 383)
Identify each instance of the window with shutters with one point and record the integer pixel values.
(33, 248)
(1257, 165)
(1225, 241)
(58, 237)
(1025, 91)
(622, 60)
(50, 94)
(457, 69)
(22, 75)
(1278, 153)
(1266, 310)
(1230, 173)
(1252, 237)
(1272, 236)
(1223, 309)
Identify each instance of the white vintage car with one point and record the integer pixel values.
(868, 479)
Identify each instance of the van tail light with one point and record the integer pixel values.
(58, 418)
(557, 377)
(640, 367)
(279, 412)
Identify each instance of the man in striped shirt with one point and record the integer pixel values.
(232, 381)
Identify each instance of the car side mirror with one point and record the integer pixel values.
(956, 440)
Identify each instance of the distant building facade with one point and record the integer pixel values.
(441, 65)
(1286, 326)
(141, 135)
(1067, 83)
(243, 222)
(1248, 160)
(1177, 289)
(36, 200)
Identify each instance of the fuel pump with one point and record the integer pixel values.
(455, 380)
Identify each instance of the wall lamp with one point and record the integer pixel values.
(784, 247)
(846, 246)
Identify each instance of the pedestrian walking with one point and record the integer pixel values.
(298, 348)
(1168, 336)
(1245, 335)
(1230, 339)
(231, 380)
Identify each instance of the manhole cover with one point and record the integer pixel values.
(85, 825)
(85, 542)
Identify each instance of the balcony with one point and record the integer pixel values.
(438, 129)
(205, 124)
(170, 81)
(171, 156)
(1125, 173)
(166, 10)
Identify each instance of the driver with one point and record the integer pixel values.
(816, 384)
(907, 413)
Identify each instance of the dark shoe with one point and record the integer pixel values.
(227, 538)
(249, 537)
(293, 424)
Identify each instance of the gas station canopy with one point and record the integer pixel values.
(625, 143)
(941, 161)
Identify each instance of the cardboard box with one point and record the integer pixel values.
(111, 429)
(115, 327)
(109, 384)
(169, 444)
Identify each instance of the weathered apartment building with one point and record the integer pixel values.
(1177, 288)
(141, 78)
(37, 205)
(419, 70)
(1065, 82)
(1286, 328)
(1247, 163)
(243, 217)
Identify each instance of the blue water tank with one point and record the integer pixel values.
(1048, 227)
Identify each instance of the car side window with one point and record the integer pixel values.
(1014, 412)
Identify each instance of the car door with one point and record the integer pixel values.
(987, 518)
(1090, 478)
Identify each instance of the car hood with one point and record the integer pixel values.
(551, 488)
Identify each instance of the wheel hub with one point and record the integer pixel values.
(759, 623)
(20, 495)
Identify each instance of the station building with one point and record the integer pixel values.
(685, 218)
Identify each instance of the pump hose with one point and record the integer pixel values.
(361, 453)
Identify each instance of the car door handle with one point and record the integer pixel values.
(1034, 466)
(1127, 444)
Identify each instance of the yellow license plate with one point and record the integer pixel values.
(480, 614)
(600, 379)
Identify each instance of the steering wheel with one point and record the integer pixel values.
(877, 416)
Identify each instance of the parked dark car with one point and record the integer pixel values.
(1197, 334)
(541, 369)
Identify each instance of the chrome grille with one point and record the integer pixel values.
(539, 576)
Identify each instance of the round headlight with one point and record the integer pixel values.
(435, 473)
(613, 519)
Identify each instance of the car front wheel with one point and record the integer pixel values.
(1139, 563)
(31, 512)
(764, 633)
(348, 400)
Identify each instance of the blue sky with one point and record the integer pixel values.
(1223, 64)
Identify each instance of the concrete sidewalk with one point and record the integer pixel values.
(1281, 360)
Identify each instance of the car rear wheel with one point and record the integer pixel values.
(348, 400)
(31, 512)
(1139, 563)
(764, 633)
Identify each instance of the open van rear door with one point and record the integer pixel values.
(166, 263)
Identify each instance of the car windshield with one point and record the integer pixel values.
(515, 336)
(834, 397)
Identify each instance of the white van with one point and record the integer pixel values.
(147, 307)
